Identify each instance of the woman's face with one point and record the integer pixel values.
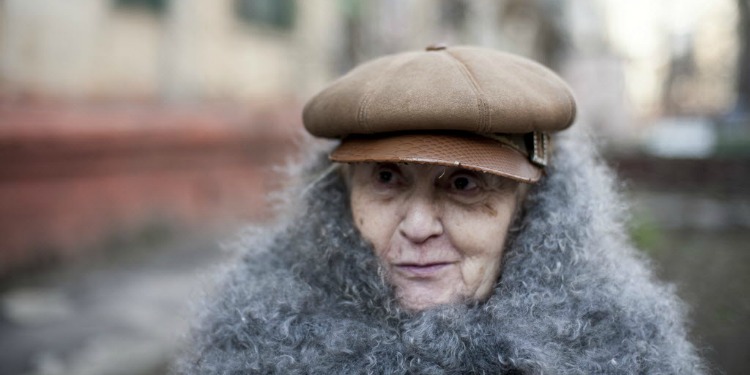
(438, 231)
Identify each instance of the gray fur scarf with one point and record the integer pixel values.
(573, 298)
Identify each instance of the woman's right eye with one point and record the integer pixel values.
(387, 175)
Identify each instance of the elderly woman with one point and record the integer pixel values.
(450, 231)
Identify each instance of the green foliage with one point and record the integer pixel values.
(736, 146)
(645, 233)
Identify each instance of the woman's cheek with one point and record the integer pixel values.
(374, 219)
(478, 231)
(464, 227)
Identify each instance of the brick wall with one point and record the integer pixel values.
(72, 176)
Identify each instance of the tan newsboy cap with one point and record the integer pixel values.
(472, 107)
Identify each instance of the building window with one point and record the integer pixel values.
(275, 13)
(156, 6)
(454, 13)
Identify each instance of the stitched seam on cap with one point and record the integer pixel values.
(482, 105)
(362, 113)
(378, 84)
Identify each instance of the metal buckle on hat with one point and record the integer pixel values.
(534, 145)
(539, 153)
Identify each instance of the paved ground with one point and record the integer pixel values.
(120, 314)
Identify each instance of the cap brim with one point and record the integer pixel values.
(468, 151)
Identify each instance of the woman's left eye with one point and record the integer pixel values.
(464, 183)
(385, 177)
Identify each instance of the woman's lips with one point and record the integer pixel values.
(422, 270)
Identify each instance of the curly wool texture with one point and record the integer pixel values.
(573, 298)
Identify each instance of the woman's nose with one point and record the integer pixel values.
(421, 220)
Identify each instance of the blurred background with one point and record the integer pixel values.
(137, 135)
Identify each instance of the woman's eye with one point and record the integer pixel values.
(385, 177)
(463, 183)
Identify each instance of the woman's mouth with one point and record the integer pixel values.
(427, 270)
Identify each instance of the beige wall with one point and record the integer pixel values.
(50, 46)
(128, 55)
(318, 39)
(198, 50)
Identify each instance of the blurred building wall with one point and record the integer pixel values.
(677, 56)
(197, 50)
(190, 50)
(50, 46)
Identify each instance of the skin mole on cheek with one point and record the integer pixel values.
(361, 221)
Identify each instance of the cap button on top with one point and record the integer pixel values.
(436, 47)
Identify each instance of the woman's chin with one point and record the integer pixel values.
(419, 300)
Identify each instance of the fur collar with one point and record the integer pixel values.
(573, 298)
